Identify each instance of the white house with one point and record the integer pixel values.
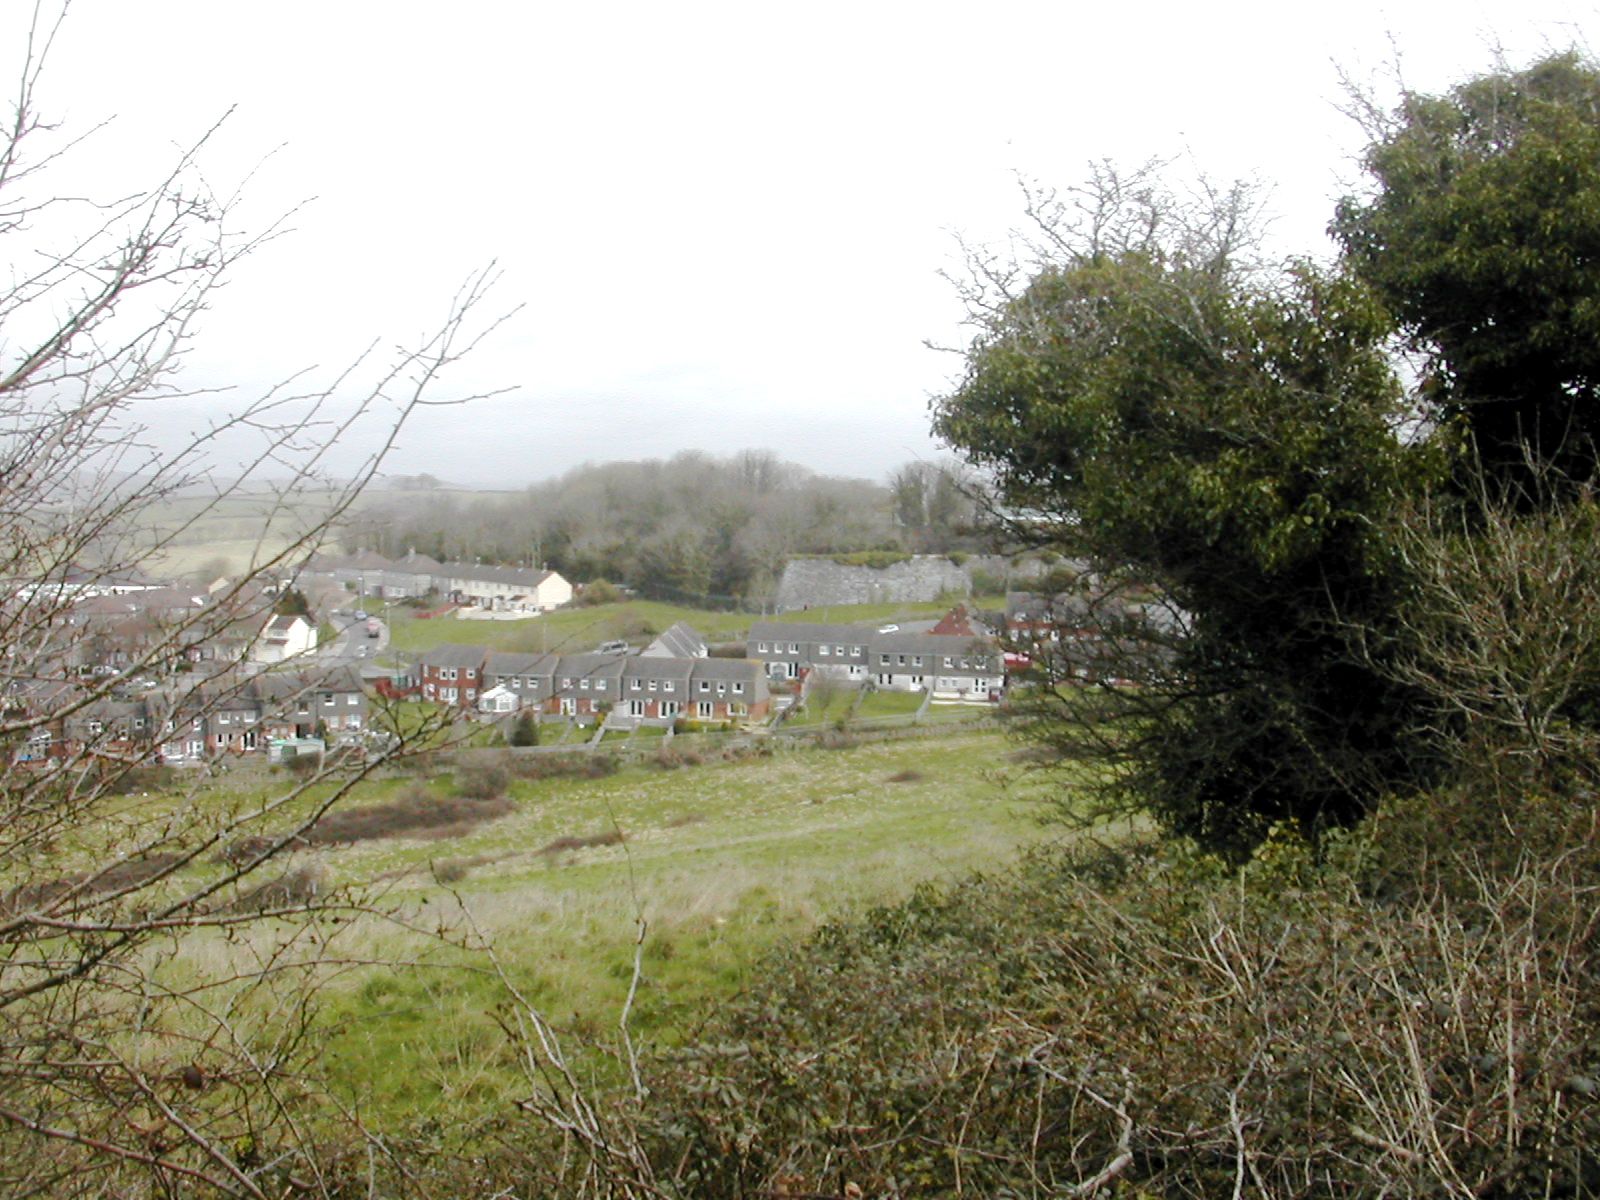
(506, 589)
(498, 701)
(283, 638)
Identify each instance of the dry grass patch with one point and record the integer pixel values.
(115, 878)
(299, 886)
(417, 813)
(609, 837)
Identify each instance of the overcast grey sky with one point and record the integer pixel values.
(726, 222)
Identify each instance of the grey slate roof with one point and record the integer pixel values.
(590, 666)
(453, 656)
(727, 670)
(642, 666)
(803, 632)
(680, 641)
(506, 662)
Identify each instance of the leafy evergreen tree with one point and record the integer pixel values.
(1228, 434)
(1224, 437)
(1482, 235)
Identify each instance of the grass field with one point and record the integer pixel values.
(888, 704)
(574, 630)
(721, 861)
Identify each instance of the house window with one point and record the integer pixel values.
(794, 647)
(448, 695)
(855, 651)
(222, 719)
(916, 660)
(762, 647)
(327, 700)
(448, 673)
(249, 742)
(599, 685)
(653, 685)
(706, 708)
(948, 662)
(738, 689)
(249, 719)
(668, 686)
(516, 684)
(705, 686)
(838, 651)
(822, 652)
(583, 684)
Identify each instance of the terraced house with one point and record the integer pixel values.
(792, 648)
(240, 720)
(453, 675)
(508, 589)
(210, 720)
(952, 666)
(627, 688)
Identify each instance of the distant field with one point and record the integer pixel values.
(721, 861)
(243, 529)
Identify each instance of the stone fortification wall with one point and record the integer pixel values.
(998, 566)
(817, 582)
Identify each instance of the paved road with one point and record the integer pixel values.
(353, 647)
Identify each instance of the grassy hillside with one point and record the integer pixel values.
(721, 860)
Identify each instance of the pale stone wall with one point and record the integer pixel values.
(818, 582)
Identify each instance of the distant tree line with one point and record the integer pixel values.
(692, 527)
